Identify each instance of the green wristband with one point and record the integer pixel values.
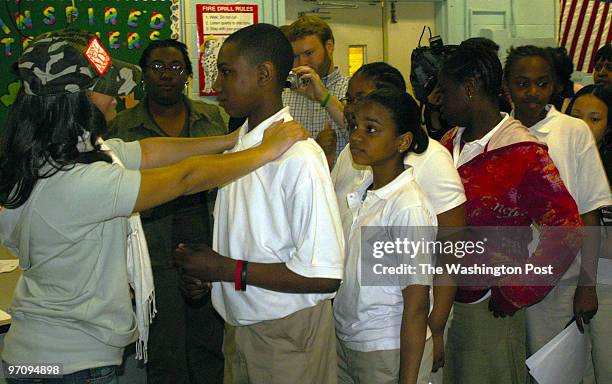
(324, 103)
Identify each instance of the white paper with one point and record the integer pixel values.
(604, 271)
(8, 265)
(562, 360)
(4, 316)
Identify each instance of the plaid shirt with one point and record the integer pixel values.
(310, 113)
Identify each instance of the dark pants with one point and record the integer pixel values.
(185, 339)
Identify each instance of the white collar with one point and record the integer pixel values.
(396, 184)
(485, 139)
(542, 126)
(385, 192)
(252, 138)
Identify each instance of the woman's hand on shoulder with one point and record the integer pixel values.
(280, 136)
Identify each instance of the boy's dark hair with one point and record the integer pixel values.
(383, 75)
(167, 43)
(481, 43)
(518, 53)
(310, 25)
(481, 65)
(265, 42)
(604, 53)
(405, 113)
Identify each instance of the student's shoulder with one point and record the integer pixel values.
(303, 162)
(573, 126)
(569, 123)
(411, 195)
(304, 151)
(411, 207)
(435, 152)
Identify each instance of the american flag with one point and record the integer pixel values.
(585, 26)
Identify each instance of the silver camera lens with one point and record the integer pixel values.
(293, 80)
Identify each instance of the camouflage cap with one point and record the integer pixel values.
(56, 63)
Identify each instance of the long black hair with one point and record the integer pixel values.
(405, 113)
(40, 139)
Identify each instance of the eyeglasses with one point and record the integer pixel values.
(349, 100)
(174, 68)
(601, 65)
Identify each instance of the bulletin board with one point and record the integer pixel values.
(125, 28)
(215, 23)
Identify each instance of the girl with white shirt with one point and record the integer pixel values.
(381, 320)
(443, 188)
(529, 77)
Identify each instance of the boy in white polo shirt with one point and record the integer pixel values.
(277, 232)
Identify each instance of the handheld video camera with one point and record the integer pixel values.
(426, 63)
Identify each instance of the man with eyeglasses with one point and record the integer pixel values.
(185, 337)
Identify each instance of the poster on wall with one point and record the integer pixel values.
(125, 28)
(215, 23)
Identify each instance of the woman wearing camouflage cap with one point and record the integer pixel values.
(67, 198)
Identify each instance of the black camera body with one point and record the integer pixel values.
(426, 63)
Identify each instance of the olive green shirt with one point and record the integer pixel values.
(186, 219)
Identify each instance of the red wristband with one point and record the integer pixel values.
(237, 275)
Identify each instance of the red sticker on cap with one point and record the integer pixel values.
(97, 56)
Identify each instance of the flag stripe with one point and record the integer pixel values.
(589, 31)
(602, 25)
(583, 8)
(591, 40)
(563, 5)
(584, 26)
(568, 22)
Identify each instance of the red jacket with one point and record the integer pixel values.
(515, 183)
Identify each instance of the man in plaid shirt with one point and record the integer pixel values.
(316, 103)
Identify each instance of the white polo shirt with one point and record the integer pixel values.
(283, 212)
(434, 171)
(473, 148)
(369, 318)
(572, 148)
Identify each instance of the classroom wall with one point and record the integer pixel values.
(371, 24)
(403, 36)
(507, 22)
